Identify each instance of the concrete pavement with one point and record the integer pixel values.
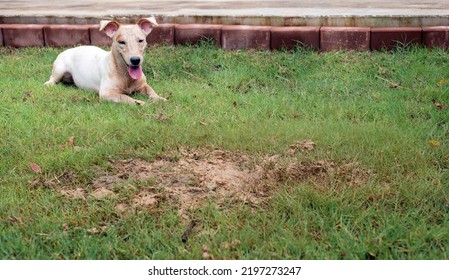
(261, 12)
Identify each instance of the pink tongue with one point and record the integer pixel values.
(135, 72)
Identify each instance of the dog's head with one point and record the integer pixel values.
(129, 41)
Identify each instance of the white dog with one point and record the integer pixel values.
(112, 74)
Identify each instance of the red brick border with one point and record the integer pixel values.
(194, 33)
(23, 35)
(234, 37)
(347, 38)
(98, 38)
(243, 37)
(62, 35)
(163, 34)
(390, 37)
(289, 37)
(436, 37)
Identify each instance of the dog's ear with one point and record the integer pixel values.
(147, 24)
(109, 27)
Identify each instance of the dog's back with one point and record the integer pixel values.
(84, 64)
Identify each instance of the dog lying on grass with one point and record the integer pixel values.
(114, 74)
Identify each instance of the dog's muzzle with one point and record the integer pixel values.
(135, 69)
(135, 60)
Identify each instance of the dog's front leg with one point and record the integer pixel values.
(118, 97)
(146, 89)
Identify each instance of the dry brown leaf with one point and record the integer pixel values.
(72, 141)
(434, 143)
(36, 168)
(439, 105)
(93, 230)
(394, 85)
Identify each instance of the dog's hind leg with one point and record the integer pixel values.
(59, 72)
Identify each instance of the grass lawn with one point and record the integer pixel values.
(339, 155)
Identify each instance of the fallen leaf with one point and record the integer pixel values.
(434, 143)
(72, 141)
(203, 123)
(442, 82)
(36, 168)
(93, 230)
(234, 103)
(394, 85)
(439, 105)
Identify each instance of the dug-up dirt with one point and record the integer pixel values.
(187, 178)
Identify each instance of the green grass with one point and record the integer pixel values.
(348, 103)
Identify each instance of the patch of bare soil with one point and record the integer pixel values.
(190, 177)
(188, 180)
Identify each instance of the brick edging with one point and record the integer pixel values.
(234, 37)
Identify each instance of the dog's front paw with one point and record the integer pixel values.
(161, 98)
(49, 83)
(156, 97)
(139, 103)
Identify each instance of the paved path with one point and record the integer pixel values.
(300, 12)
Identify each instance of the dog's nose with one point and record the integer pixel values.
(135, 60)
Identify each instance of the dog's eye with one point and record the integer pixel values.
(141, 40)
(122, 42)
